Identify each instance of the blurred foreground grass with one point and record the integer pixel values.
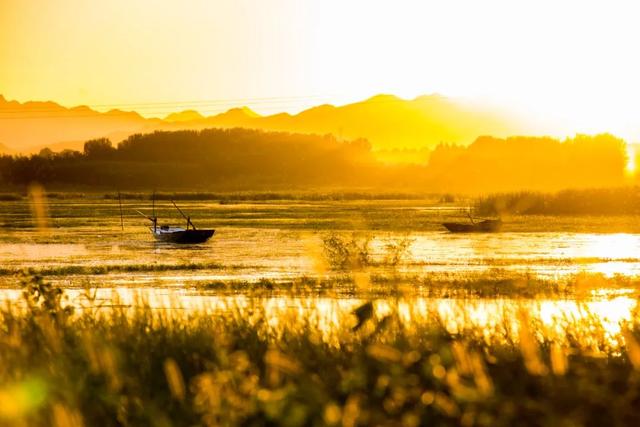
(137, 366)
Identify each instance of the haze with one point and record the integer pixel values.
(568, 65)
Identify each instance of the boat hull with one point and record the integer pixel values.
(487, 226)
(184, 236)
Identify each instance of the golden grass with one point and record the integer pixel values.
(141, 366)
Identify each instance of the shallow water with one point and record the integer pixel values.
(280, 240)
(253, 253)
(283, 240)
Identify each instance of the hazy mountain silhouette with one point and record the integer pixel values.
(184, 116)
(29, 126)
(387, 121)
(235, 117)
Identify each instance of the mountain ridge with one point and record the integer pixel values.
(387, 121)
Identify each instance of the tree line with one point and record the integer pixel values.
(203, 159)
(220, 159)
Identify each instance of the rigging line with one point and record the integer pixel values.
(150, 115)
(64, 113)
(176, 104)
(223, 100)
(214, 110)
(213, 103)
(99, 116)
(151, 110)
(204, 100)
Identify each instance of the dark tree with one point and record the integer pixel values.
(100, 148)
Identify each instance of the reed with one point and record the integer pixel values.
(99, 366)
(594, 201)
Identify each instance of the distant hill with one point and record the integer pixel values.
(29, 126)
(388, 122)
(183, 116)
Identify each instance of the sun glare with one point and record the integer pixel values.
(580, 79)
(630, 167)
(408, 212)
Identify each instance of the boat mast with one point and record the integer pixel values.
(121, 216)
(153, 206)
(189, 223)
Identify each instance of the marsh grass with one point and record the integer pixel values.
(133, 364)
(347, 252)
(377, 215)
(70, 270)
(146, 367)
(353, 251)
(10, 197)
(491, 284)
(594, 201)
(378, 282)
(257, 196)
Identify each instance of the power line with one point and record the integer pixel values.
(161, 106)
(164, 108)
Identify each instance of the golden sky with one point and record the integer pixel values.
(574, 62)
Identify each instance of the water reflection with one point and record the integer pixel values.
(594, 323)
(548, 254)
(283, 253)
(273, 242)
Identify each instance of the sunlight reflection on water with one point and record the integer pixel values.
(275, 241)
(281, 253)
(590, 321)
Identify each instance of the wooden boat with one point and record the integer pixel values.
(172, 234)
(484, 226)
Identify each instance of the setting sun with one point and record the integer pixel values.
(567, 66)
(319, 213)
(631, 166)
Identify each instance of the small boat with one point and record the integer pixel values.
(484, 226)
(171, 234)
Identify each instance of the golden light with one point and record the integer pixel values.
(630, 167)
(534, 57)
(616, 246)
(607, 254)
